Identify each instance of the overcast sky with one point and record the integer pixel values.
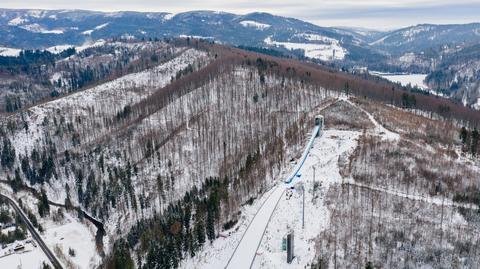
(377, 14)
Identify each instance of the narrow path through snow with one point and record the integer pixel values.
(378, 127)
(422, 198)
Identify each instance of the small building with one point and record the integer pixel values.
(359, 70)
(290, 253)
(19, 247)
(319, 121)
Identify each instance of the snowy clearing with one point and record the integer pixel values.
(71, 234)
(9, 51)
(405, 79)
(101, 26)
(168, 16)
(17, 21)
(32, 257)
(315, 37)
(256, 25)
(324, 52)
(414, 80)
(36, 28)
(87, 32)
(58, 49)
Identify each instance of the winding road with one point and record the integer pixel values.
(56, 264)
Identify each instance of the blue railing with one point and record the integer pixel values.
(299, 165)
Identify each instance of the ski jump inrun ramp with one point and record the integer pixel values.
(245, 252)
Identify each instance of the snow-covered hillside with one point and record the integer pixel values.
(256, 25)
(9, 51)
(325, 52)
(415, 80)
(105, 101)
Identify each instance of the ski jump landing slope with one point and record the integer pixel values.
(245, 252)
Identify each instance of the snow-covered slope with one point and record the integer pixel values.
(9, 51)
(330, 51)
(421, 37)
(254, 24)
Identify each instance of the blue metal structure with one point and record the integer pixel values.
(315, 133)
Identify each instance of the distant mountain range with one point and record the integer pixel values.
(417, 49)
(426, 36)
(45, 28)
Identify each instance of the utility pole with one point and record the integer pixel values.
(303, 207)
(313, 175)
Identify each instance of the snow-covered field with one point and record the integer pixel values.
(71, 234)
(36, 28)
(256, 25)
(13, 52)
(315, 37)
(89, 32)
(324, 52)
(415, 80)
(9, 51)
(32, 257)
(412, 79)
(86, 45)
